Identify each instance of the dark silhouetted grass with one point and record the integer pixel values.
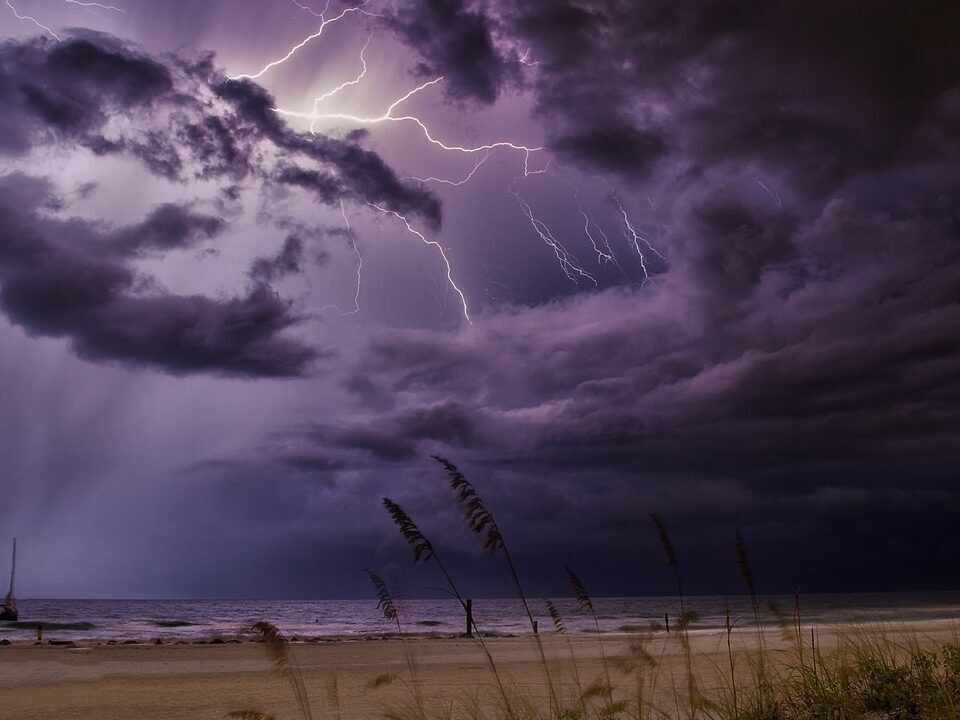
(865, 676)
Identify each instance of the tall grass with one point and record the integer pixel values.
(863, 676)
(481, 521)
(423, 550)
(687, 618)
(586, 604)
(284, 665)
(387, 606)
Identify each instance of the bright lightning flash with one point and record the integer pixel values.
(388, 116)
(438, 246)
(324, 22)
(355, 81)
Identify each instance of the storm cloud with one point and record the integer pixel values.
(180, 118)
(457, 42)
(68, 278)
(764, 195)
(816, 91)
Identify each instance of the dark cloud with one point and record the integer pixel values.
(167, 227)
(457, 42)
(68, 278)
(398, 436)
(818, 91)
(366, 173)
(183, 120)
(70, 89)
(796, 375)
(621, 149)
(321, 184)
(287, 261)
(791, 367)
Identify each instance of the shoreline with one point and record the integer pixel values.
(142, 680)
(242, 636)
(116, 622)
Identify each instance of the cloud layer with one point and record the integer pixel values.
(790, 365)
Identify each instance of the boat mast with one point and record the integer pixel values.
(13, 570)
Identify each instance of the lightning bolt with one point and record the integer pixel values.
(95, 5)
(455, 183)
(356, 250)
(355, 81)
(324, 22)
(524, 59)
(388, 116)
(774, 196)
(32, 19)
(605, 253)
(438, 246)
(311, 10)
(568, 261)
(314, 116)
(631, 234)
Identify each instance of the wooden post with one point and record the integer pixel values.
(470, 618)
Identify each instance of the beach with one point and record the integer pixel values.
(96, 681)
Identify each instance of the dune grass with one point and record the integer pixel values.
(875, 675)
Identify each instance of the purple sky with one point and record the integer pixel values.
(706, 264)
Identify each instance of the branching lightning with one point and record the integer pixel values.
(29, 18)
(568, 261)
(631, 234)
(604, 251)
(324, 22)
(388, 116)
(455, 183)
(438, 246)
(524, 59)
(356, 250)
(355, 81)
(81, 3)
(311, 10)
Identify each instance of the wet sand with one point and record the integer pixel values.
(167, 682)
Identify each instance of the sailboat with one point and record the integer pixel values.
(9, 611)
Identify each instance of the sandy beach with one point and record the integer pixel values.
(199, 681)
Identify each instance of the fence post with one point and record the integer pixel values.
(470, 618)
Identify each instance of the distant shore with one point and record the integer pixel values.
(95, 680)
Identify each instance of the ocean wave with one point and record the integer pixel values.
(32, 625)
(173, 623)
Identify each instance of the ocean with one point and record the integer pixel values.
(147, 620)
